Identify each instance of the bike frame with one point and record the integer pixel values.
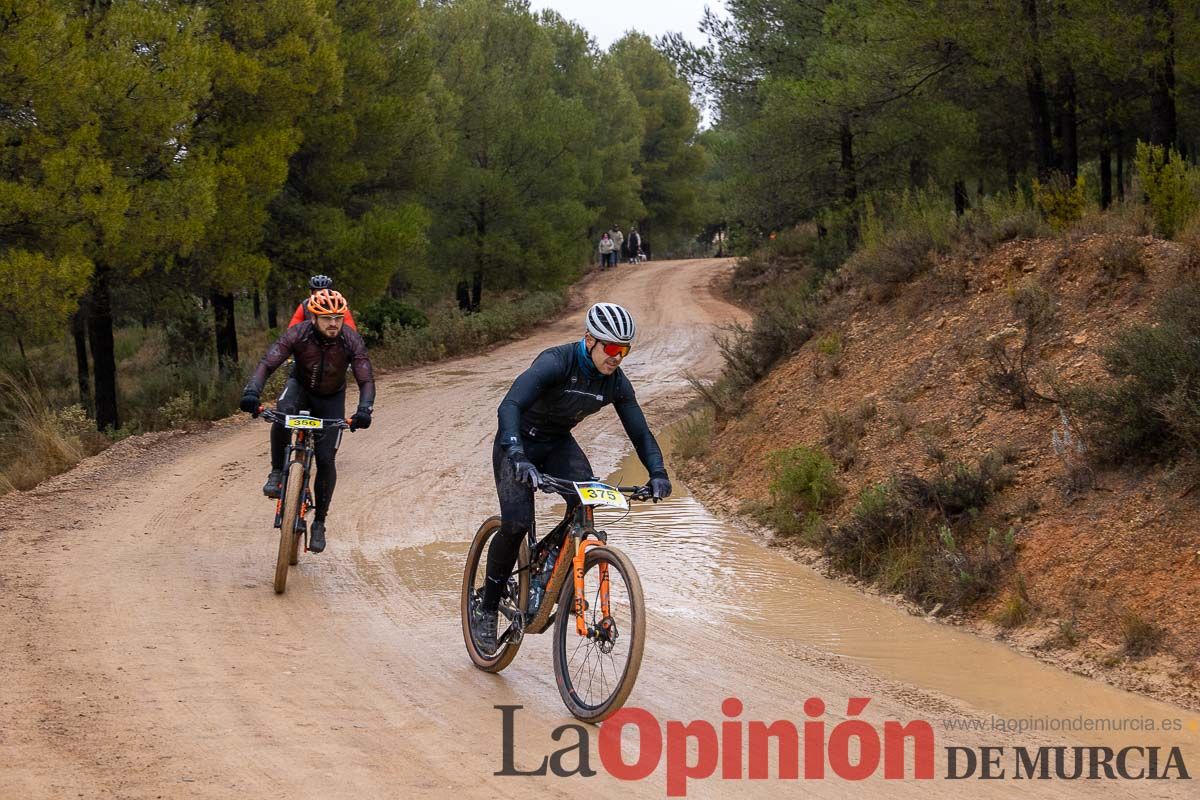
(579, 523)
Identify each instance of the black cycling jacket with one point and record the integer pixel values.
(562, 387)
(321, 363)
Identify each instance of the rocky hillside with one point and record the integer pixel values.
(966, 360)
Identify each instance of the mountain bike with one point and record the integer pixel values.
(598, 615)
(296, 498)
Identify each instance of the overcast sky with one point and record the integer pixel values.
(608, 20)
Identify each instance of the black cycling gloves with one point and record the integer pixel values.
(361, 419)
(250, 402)
(660, 488)
(527, 473)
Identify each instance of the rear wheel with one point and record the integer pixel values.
(595, 673)
(293, 491)
(512, 605)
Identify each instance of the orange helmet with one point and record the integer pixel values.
(325, 302)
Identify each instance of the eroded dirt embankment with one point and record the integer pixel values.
(911, 373)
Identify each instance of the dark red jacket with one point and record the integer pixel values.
(302, 314)
(321, 363)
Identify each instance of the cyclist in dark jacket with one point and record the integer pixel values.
(324, 349)
(564, 385)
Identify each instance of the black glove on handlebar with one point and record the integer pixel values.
(361, 419)
(527, 473)
(250, 403)
(660, 488)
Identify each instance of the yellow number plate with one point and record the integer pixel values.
(304, 422)
(598, 494)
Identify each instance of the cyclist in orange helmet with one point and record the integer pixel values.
(315, 284)
(324, 348)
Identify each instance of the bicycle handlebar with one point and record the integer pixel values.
(552, 485)
(271, 415)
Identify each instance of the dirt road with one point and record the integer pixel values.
(143, 653)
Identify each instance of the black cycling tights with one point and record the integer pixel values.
(296, 398)
(561, 458)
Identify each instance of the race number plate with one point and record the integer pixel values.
(304, 422)
(598, 494)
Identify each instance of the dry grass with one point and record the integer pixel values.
(39, 442)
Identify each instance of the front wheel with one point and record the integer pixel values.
(293, 491)
(596, 672)
(512, 604)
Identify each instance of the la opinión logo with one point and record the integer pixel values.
(738, 742)
(851, 750)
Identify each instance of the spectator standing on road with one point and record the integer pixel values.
(606, 251)
(618, 239)
(634, 245)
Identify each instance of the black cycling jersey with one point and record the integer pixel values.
(562, 387)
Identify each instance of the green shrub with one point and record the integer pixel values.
(1189, 238)
(1126, 218)
(915, 536)
(830, 344)
(1000, 218)
(1031, 304)
(886, 266)
(1017, 608)
(1121, 256)
(177, 411)
(1061, 202)
(189, 335)
(802, 479)
(844, 430)
(693, 436)
(785, 323)
(387, 314)
(1139, 637)
(1172, 186)
(1149, 410)
(451, 332)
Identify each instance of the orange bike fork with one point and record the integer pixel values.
(580, 600)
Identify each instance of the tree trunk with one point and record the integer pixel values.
(916, 172)
(1039, 105)
(1068, 116)
(463, 294)
(849, 175)
(226, 331)
(272, 306)
(1106, 194)
(21, 347)
(1163, 129)
(257, 308)
(476, 290)
(79, 331)
(961, 203)
(1120, 169)
(104, 362)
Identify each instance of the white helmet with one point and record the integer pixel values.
(609, 322)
